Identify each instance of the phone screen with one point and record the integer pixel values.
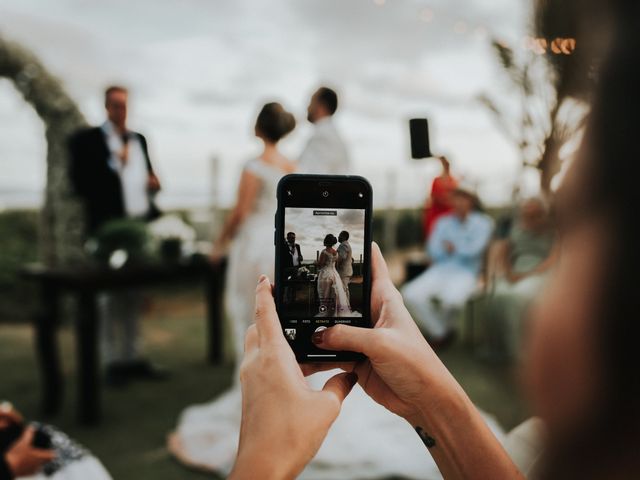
(323, 259)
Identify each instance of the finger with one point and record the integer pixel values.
(379, 267)
(345, 337)
(340, 385)
(251, 339)
(311, 368)
(267, 321)
(42, 454)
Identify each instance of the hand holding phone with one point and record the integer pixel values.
(278, 407)
(323, 259)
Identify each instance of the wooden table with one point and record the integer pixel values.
(86, 283)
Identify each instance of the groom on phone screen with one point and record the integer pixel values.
(345, 260)
(292, 259)
(293, 255)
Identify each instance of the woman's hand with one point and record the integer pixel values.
(24, 459)
(401, 372)
(218, 252)
(283, 420)
(514, 277)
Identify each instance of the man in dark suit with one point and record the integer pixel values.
(291, 253)
(110, 168)
(111, 172)
(292, 258)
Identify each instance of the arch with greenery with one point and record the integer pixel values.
(61, 225)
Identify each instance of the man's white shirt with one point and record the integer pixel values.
(294, 254)
(326, 152)
(134, 175)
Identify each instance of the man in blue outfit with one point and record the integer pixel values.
(456, 248)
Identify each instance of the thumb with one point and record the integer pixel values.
(340, 385)
(344, 337)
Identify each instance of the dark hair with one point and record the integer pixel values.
(112, 89)
(328, 98)
(330, 240)
(607, 171)
(290, 233)
(344, 234)
(274, 122)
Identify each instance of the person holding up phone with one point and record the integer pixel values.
(402, 373)
(41, 451)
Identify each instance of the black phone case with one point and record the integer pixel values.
(343, 356)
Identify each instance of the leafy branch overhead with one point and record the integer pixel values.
(544, 119)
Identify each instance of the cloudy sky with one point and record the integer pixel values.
(311, 229)
(200, 69)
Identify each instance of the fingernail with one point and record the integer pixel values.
(262, 278)
(352, 378)
(316, 338)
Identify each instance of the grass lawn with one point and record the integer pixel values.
(131, 439)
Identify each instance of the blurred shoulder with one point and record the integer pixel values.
(252, 165)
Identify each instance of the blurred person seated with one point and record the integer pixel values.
(520, 267)
(40, 451)
(439, 202)
(456, 248)
(112, 174)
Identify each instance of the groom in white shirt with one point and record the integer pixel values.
(345, 260)
(326, 152)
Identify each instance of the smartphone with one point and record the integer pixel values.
(323, 259)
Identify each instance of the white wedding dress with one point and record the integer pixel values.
(331, 291)
(365, 442)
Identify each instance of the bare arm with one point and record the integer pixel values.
(541, 268)
(247, 193)
(322, 260)
(458, 439)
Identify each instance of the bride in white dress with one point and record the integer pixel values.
(331, 292)
(366, 441)
(207, 435)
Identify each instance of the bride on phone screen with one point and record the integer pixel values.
(332, 297)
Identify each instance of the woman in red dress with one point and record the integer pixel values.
(439, 202)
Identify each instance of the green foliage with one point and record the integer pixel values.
(18, 245)
(122, 234)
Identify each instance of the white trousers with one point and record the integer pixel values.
(120, 325)
(436, 296)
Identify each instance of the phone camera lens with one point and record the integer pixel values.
(325, 194)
